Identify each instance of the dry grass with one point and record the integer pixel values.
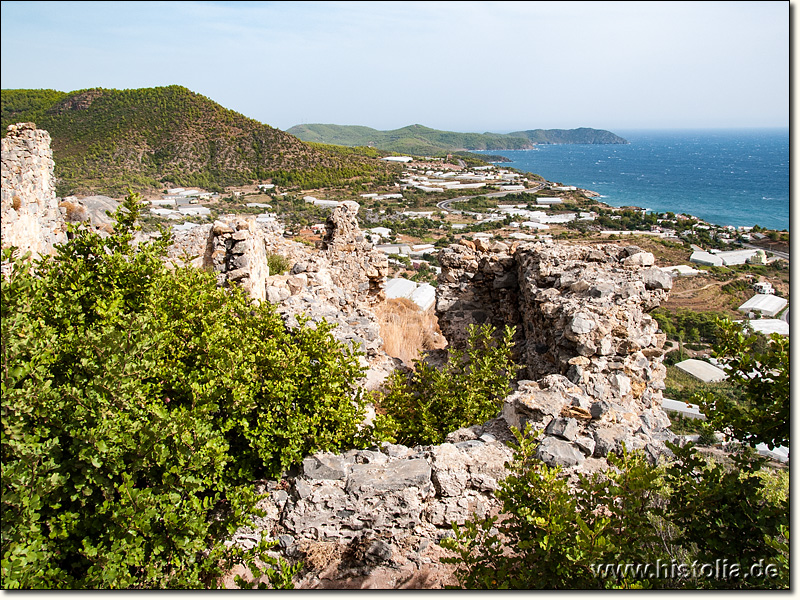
(75, 212)
(319, 555)
(407, 331)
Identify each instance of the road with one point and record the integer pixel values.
(777, 253)
(445, 204)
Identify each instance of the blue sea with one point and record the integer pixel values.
(726, 177)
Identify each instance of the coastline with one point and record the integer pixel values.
(724, 177)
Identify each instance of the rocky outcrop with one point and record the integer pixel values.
(29, 212)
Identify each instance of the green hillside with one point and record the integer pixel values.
(420, 140)
(105, 141)
(582, 135)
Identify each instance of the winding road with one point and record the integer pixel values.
(445, 204)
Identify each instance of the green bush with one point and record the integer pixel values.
(422, 407)
(758, 368)
(613, 529)
(552, 536)
(691, 511)
(277, 264)
(139, 404)
(728, 511)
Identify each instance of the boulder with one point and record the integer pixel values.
(556, 452)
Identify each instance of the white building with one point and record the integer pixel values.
(702, 370)
(705, 258)
(195, 210)
(534, 225)
(768, 326)
(381, 231)
(766, 304)
(403, 159)
(680, 271)
(322, 203)
(763, 287)
(736, 257)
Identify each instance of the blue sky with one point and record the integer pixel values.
(463, 66)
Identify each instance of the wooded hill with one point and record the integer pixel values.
(421, 140)
(106, 141)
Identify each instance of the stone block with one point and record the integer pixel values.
(324, 466)
(564, 428)
(556, 452)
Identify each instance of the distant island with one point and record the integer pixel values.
(421, 140)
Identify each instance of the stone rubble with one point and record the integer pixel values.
(590, 351)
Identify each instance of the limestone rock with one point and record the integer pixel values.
(556, 452)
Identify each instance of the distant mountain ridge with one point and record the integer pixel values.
(105, 141)
(421, 140)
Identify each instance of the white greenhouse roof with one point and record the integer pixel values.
(766, 304)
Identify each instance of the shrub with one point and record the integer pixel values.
(138, 406)
(423, 406)
(553, 537)
(759, 369)
(613, 529)
(727, 511)
(277, 264)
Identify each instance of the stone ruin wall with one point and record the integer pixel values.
(339, 282)
(591, 355)
(29, 212)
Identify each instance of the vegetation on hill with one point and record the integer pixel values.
(106, 141)
(581, 135)
(424, 141)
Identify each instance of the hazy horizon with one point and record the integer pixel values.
(467, 66)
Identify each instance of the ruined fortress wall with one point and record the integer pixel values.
(31, 218)
(580, 311)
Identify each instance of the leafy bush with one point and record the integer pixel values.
(759, 370)
(613, 529)
(692, 511)
(725, 511)
(138, 406)
(422, 407)
(552, 537)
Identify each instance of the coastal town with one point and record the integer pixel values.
(513, 206)
(740, 272)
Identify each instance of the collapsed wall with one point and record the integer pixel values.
(29, 211)
(590, 351)
(338, 283)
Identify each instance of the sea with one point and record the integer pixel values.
(726, 177)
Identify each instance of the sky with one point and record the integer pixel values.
(460, 66)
